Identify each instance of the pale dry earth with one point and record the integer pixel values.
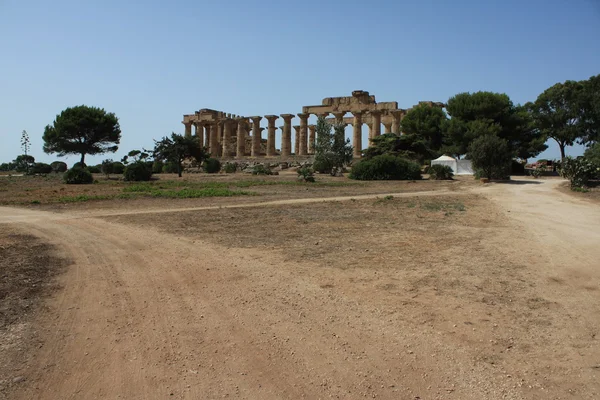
(406, 301)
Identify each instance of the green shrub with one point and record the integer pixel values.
(107, 167)
(385, 167)
(491, 157)
(260, 169)
(95, 169)
(157, 166)
(59, 166)
(169, 168)
(440, 172)
(78, 175)
(79, 165)
(40, 168)
(578, 171)
(322, 166)
(137, 171)
(211, 165)
(230, 168)
(306, 174)
(118, 168)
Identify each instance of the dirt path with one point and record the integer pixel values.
(146, 315)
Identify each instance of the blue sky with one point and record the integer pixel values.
(151, 62)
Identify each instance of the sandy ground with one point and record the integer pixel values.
(506, 308)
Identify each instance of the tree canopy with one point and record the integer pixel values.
(591, 110)
(426, 122)
(82, 130)
(411, 146)
(332, 150)
(490, 156)
(486, 113)
(177, 148)
(558, 114)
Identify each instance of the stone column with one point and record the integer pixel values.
(255, 151)
(396, 118)
(271, 152)
(286, 137)
(207, 130)
(188, 128)
(312, 139)
(297, 140)
(227, 127)
(402, 115)
(376, 123)
(388, 127)
(303, 133)
(339, 117)
(357, 137)
(199, 133)
(241, 138)
(214, 140)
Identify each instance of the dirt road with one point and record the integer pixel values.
(145, 315)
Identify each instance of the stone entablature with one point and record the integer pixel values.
(229, 135)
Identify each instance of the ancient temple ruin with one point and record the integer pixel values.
(228, 135)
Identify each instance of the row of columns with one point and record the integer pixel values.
(217, 136)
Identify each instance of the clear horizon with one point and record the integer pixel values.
(152, 64)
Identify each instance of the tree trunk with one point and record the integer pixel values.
(562, 152)
(82, 159)
(179, 169)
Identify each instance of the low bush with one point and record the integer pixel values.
(322, 166)
(40, 168)
(157, 166)
(58, 166)
(95, 169)
(107, 167)
(118, 168)
(260, 169)
(211, 165)
(169, 168)
(78, 176)
(79, 165)
(306, 174)
(385, 167)
(440, 172)
(137, 171)
(579, 171)
(230, 168)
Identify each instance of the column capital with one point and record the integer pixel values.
(322, 114)
(273, 117)
(303, 115)
(287, 117)
(256, 118)
(375, 112)
(297, 127)
(339, 114)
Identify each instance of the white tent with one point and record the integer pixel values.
(459, 167)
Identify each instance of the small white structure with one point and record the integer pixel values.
(459, 167)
